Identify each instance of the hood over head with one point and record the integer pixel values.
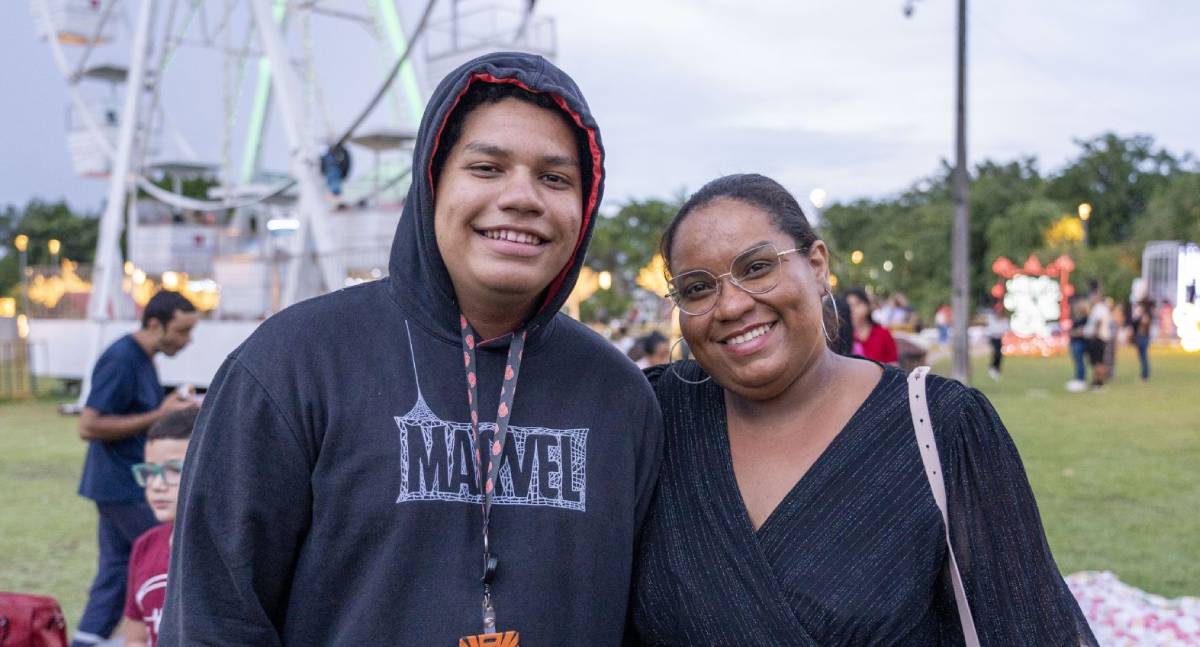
(418, 276)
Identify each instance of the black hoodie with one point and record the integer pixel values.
(329, 494)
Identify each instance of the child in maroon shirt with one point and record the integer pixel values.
(166, 446)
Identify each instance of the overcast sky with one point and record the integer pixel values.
(849, 96)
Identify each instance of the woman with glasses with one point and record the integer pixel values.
(792, 504)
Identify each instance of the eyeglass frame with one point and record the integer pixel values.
(673, 295)
(159, 470)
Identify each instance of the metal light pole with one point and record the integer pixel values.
(960, 241)
(961, 295)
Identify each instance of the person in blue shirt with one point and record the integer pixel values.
(126, 398)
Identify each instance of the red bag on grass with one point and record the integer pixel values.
(31, 621)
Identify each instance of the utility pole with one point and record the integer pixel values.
(961, 298)
(960, 238)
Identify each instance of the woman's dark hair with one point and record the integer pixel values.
(857, 293)
(176, 425)
(651, 342)
(481, 94)
(755, 190)
(162, 306)
(843, 343)
(768, 195)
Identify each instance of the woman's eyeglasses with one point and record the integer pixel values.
(168, 471)
(755, 270)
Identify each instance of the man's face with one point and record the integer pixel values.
(508, 205)
(162, 492)
(172, 338)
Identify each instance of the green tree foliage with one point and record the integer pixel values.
(1113, 266)
(623, 243)
(42, 221)
(1139, 192)
(1020, 230)
(1173, 212)
(1117, 176)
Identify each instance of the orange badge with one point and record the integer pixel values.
(505, 639)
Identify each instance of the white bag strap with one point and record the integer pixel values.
(919, 408)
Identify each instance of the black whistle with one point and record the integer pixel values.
(491, 562)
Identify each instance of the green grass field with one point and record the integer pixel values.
(1117, 475)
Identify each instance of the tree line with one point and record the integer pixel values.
(1137, 191)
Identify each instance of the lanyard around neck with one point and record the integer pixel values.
(508, 391)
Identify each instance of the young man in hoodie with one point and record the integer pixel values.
(439, 454)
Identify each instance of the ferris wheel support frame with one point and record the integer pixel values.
(314, 222)
(104, 274)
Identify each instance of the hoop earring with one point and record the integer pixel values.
(837, 322)
(679, 377)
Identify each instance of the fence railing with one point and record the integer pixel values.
(16, 381)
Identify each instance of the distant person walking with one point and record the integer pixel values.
(1116, 337)
(1079, 343)
(997, 326)
(942, 319)
(126, 398)
(1142, 322)
(1098, 332)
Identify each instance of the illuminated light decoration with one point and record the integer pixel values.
(833, 281)
(817, 198)
(129, 268)
(22, 326)
(908, 254)
(47, 291)
(283, 224)
(856, 256)
(1065, 230)
(1186, 316)
(1187, 325)
(8, 307)
(21, 242)
(54, 246)
(170, 280)
(1035, 300)
(887, 266)
(604, 280)
(653, 277)
(585, 286)
(205, 294)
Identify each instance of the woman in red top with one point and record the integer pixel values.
(871, 340)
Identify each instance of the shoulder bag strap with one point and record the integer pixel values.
(919, 408)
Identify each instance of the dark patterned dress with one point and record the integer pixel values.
(854, 554)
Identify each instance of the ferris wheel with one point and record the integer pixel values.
(295, 118)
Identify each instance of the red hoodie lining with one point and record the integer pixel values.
(557, 283)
